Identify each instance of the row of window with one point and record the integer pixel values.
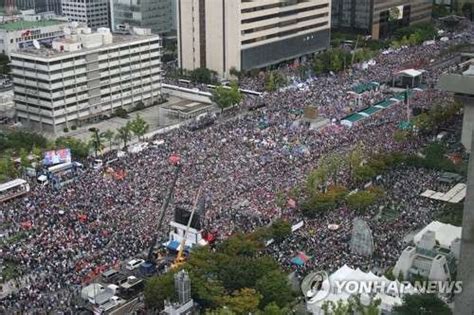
(284, 13)
(285, 33)
(284, 23)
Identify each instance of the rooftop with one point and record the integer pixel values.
(21, 25)
(47, 53)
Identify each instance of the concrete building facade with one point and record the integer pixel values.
(153, 14)
(40, 5)
(429, 260)
(248, 34)
(379, 17)
(21, 34)
(85, 76)
(460, 81)
(93, 13)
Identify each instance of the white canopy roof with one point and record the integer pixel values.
(469, 71)
(411, 72)
(329, 292)
(445, 233)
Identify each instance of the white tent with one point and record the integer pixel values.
(330, 292)
(411, 73)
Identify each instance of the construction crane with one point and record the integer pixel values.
(180, 256)
(148, 266)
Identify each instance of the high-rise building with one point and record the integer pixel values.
(379, 17)
(153, 14)
(40, 5)
(185, 304)
(245, 34)
(85, 76)
(93, 13)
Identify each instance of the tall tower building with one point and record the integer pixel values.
(93, 13)
(153, 14)
(182, 284)
(243, 34)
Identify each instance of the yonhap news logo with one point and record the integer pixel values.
(317, 286)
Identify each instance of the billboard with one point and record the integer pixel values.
(57, 156)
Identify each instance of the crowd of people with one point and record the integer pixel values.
(99, 221)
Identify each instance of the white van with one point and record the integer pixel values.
(134, 264)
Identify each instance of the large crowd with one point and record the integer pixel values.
(99, 221)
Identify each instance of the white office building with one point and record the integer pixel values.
(434, 256)
(85, 76)
(249, 34)
(93, 13)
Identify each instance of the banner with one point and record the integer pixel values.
(56, 157)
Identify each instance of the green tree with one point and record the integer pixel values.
(24, 161)
(363, 173)
(96, 141)
(360, 308)
(4, 64)
(274, 287)
(139, 126)
(124, 134)
(422, 304)
(158, 289)
(274, 80)
(202, 75)
(355, 158)
(79, 149)
(319, 66)
(280, 230)
(274, 309)
(108, 135)
(226, 97)
(336, 62)
(7, 168)
(234, 72)
(243, 301)
(361, 199)
(339, 308)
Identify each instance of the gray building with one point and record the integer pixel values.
(84, 76)
(152, 14)
(245, 35)
(379, 17)
(93, 13)
(40, 5)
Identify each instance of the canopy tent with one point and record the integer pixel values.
(300, 259)
(173, 245)
(408, 77)
(365, 87)
(412, 73)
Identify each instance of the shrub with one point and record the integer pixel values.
(362, 199)
(120, 112)
(66, 129)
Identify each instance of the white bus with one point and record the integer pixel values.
(13, 189)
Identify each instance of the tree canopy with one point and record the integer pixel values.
(422, 304)
(235, 278)
(226, 97)
(138, 126)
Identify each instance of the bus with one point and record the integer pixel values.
(13, 189)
